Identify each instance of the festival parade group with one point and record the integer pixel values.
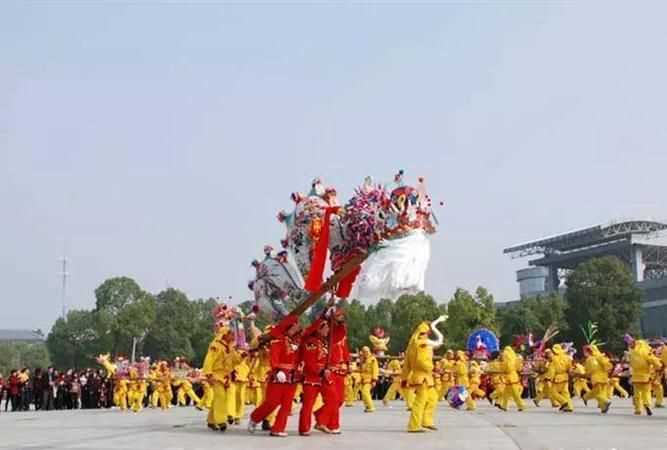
(299, 363)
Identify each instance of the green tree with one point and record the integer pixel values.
(170, 333)
(125, 312)
(602, 290)
(467, 313)
(531, 315)
(74, 342)
(408, 312)
(16, 355)
(115, 293)
(358, 327)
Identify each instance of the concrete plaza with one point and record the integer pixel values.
(486, 428)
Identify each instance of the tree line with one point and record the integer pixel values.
(168, 324)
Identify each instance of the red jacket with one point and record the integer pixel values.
(13, 385)
(314, 356)
(283, 350)
(340, 353)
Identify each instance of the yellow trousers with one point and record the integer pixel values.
(120, 399)
(600, 393)
(182, 393)
(615, 385)
(392, 392)
(349, 395)
(155, 396)
(423, 408)
(659, 392)
(367, 397)
(206, 399)
(474, 390)
(545, 393)
(135, 398)
(218, 413)
(512, 391)
(498, 390)
(560, 393)
(642, 396)
(239, 397)
(410, 393)
(581, 388)
(164, 400)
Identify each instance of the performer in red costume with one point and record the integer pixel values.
(333, 394)
(282, 379)
(313, 354)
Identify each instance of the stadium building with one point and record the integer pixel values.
(640, 244)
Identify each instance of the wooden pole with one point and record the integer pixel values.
(330, 284)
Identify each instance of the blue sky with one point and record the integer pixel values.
(160, 140)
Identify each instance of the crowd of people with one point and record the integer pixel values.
(50, 389)
(286, 366)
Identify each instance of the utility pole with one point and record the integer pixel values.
(63, 298)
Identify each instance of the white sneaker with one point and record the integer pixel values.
(252, 426)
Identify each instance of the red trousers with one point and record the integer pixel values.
(333, 396)
(277, 395)
(307, 402)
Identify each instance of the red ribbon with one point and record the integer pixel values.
(319, 259)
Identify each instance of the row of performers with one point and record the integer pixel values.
(286, 362)
(317, 361)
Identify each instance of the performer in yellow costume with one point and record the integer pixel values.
(350, 393)
(495, 370)
(238, 388)
(152, 378)
(163, 385)
(641, 361)
(370, 372)
(559, 369)
(185, 391)
(393, 370)
(462, 377)
(510, 367)
(447, 376)
(136, 390)
(597, 367)
(615, 381)
(580, 384)
(254, 390)
(656, 382)
(220, 360)
(120, 385)
(475, 373)
(418, 372)
(543, 381)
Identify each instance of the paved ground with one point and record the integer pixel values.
(487, 428)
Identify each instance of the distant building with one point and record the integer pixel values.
(29, 336)
(640, 244)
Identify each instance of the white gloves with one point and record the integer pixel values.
(281, 377)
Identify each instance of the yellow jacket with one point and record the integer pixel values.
(597, 366)
(220, 360)
(418, 366)
(394, 370)
(242, 371)
(475, 373)
(641, 361)
(461, 370)
(369, 370)
(561, 363)
(509, 366)
(448, 370)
